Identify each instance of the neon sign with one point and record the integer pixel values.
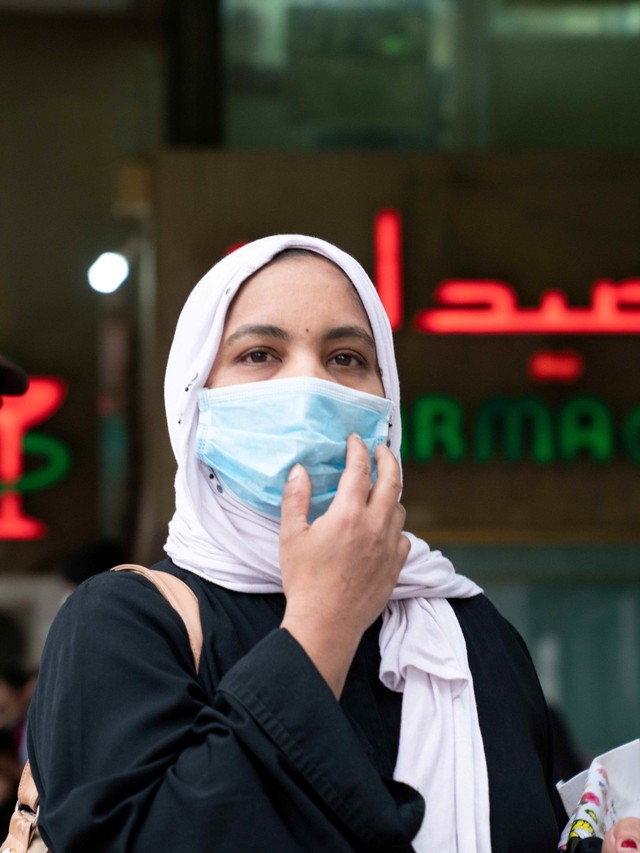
(17, 415)
(387, 247)
(562, 366)
(517, 428)
(490, 308)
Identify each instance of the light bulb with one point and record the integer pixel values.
(108, 271)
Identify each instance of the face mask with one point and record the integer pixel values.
(251, 435)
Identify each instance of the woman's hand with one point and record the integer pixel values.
(623, 836)
(338, 573)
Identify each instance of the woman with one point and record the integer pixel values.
(355, 693)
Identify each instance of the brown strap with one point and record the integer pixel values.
(20, 829)
(180, 597)
(24, 819)
(27, 791)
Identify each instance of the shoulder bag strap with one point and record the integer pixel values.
(23, 829)
(181, 597)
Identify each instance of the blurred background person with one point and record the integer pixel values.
(16, 686)
(16, 689)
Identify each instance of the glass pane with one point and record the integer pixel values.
(348, 74)
(562, 75)
(432, 74)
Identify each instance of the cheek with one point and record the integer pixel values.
(217, 373)
(377, 386)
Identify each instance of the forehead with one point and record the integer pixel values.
(294, 283)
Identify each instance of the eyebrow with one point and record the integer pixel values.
(260, 330)
(267, 330)
(350, 332)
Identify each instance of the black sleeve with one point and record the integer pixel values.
(130, 754)
(550, 762)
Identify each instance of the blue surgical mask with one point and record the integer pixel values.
(251, 435)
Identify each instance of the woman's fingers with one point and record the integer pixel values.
(296, 498)
(388, 485)
(380, 502)
(355, 482)
(355, 488)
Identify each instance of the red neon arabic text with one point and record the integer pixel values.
(562, 366)
(490, 308)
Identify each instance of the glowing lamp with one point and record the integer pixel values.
(108, 271)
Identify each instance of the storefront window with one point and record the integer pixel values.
(338, 74)
(432, 74)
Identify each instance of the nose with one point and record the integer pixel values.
(305, 364)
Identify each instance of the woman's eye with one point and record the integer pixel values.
(348, 359)
(258, 356)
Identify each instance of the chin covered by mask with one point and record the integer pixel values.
(251, 435)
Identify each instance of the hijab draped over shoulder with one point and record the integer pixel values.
(423, 652)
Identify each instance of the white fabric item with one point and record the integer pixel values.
(441, 753)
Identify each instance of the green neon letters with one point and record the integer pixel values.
(516, 429)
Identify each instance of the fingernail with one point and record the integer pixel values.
(629, 842)
(294, 472)
(355, 435)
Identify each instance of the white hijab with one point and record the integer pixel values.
(423, 652)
